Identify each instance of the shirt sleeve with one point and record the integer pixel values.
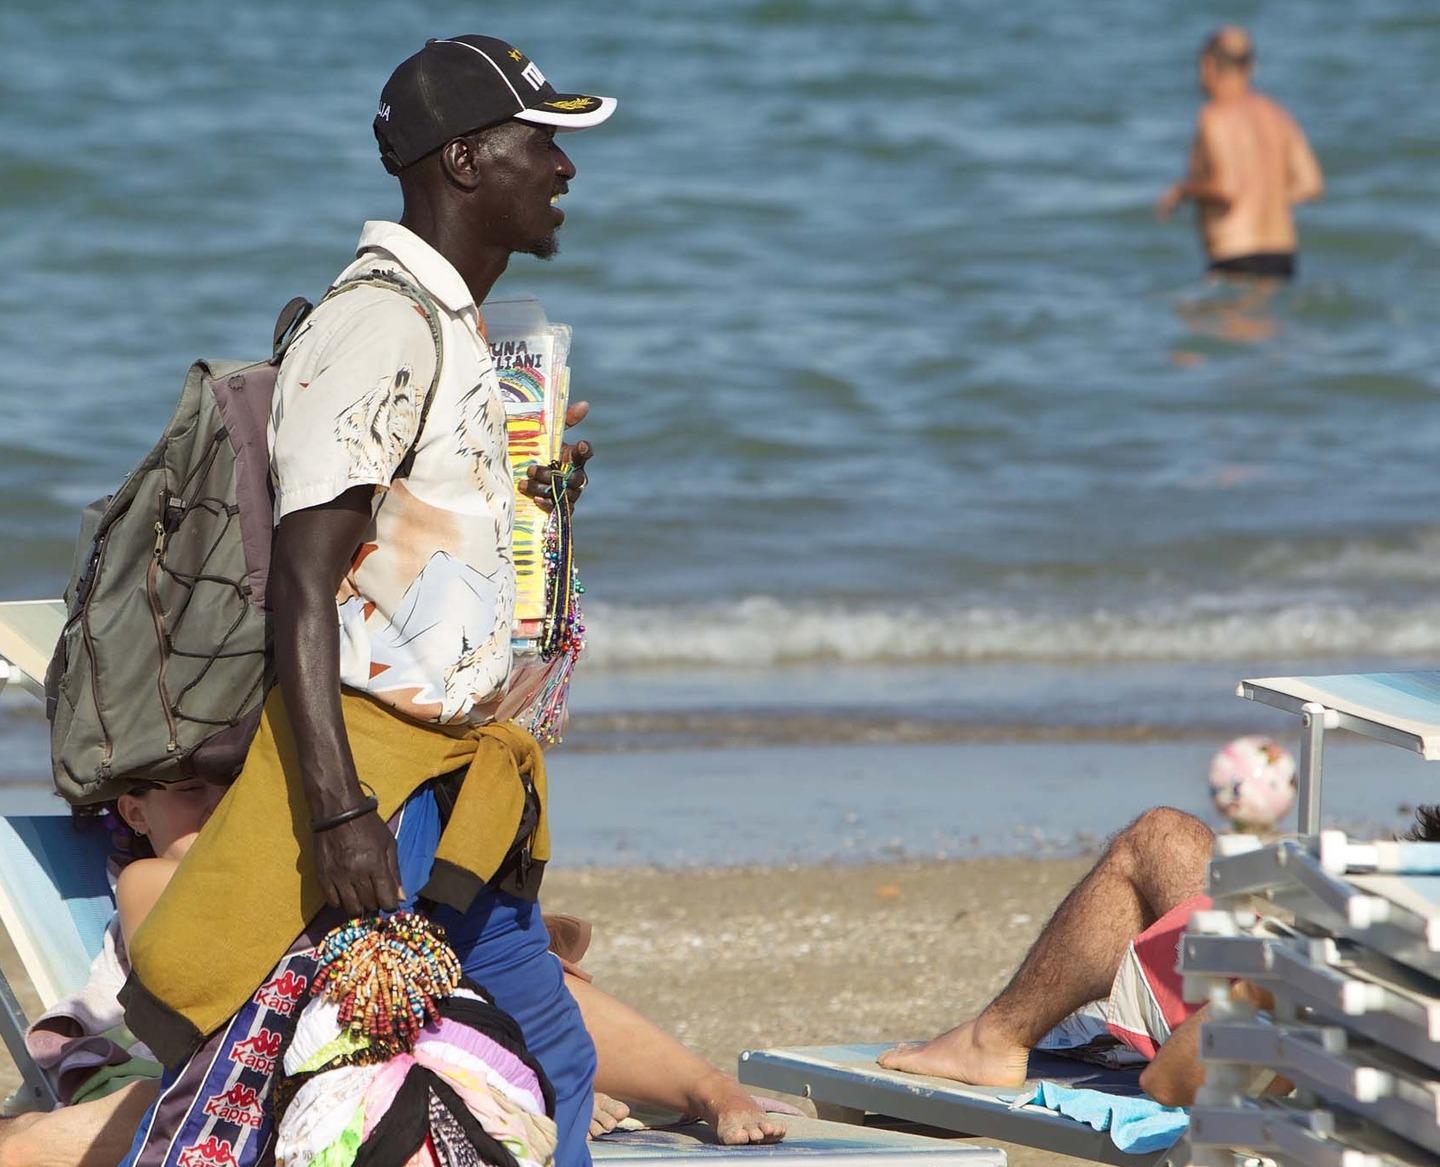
(349, 399)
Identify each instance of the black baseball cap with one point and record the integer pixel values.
(462, 84)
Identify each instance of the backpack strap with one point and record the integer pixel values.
(287, 326)
(429, 309)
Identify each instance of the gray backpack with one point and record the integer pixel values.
(162, 669)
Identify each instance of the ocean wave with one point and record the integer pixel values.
(762, 630)
(1413, 558)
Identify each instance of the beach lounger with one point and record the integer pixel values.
(807, 1141)
(845, 1083)
(54, 904)
(32, 890)
(29, 630)
(55, 901)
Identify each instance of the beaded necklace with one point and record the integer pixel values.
(564, 636)
(387, 974)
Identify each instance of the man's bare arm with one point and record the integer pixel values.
(1306, 180)
(355, 861)
(1207, 180)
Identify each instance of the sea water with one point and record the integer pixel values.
(908, 413)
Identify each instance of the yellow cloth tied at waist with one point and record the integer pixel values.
(247, 888)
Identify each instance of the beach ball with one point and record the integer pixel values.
(1252, 781)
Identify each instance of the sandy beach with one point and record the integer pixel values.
(735, 958)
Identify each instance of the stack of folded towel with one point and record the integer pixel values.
(467, 1084)
(1351, 954)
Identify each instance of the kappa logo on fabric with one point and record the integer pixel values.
(239, 1106)
(161, 670)
(259, 1053)
(217, 1090)
(281, 994)
(213, 1152)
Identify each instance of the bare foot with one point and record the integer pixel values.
(968, 1053)
(734, 1115)
(607, 1115)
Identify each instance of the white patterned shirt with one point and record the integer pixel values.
(427, 605)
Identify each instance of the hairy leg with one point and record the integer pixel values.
(93, 1134)
(1155, 863)
(639, 1062)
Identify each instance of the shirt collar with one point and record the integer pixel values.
(435, 273)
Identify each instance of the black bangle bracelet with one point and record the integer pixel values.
(369, 806)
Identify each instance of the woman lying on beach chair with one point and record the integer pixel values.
(103, 1103)
(1115, 937)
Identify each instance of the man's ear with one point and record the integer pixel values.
(460, 159)
(132, 810)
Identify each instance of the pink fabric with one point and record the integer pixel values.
(489, 1051)
(457, 1066)
(382, 1091)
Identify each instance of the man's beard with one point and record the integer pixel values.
(546, 248)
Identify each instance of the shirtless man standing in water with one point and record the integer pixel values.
(1249, 164)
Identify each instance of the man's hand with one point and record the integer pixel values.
(1171, 199)
(357, 866)
(538, 486)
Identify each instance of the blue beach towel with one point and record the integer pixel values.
(1136, 1124)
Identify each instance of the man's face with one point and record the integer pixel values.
(1209, 72)
(525, 174)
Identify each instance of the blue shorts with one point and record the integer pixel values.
(502, 943)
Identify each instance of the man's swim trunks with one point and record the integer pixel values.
(1145, 1004)
(1269, 265)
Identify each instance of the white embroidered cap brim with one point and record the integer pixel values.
(569, 121)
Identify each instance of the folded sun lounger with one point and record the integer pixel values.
(1355, 1023)
(55, 901)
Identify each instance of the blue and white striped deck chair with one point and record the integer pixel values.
(54, 897)
(55, 902)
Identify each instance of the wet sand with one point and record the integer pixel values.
(730, 959)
